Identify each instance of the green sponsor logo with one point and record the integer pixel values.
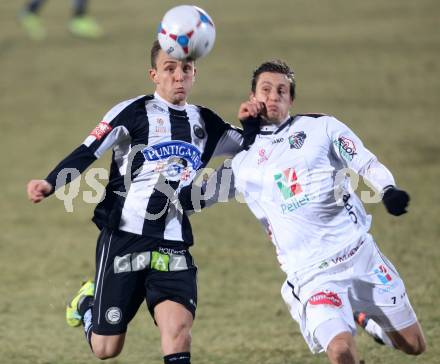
(159, 261)
(286, 182)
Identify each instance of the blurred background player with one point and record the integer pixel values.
(293, 179)
(80, 25)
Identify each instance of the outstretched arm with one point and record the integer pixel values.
(218, 187)
(38, 189)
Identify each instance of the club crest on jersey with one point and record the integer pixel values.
(101, 130)
(178, 159)
(198, 132)
(297, 140)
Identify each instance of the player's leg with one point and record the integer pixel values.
(79, 7)
(171, 293)
(380, 295)
(34, 6)
(341, 349)
(118, 294)
(30, 20)
(410, 340)
(174, 322)
(325, 318)
(81, 24)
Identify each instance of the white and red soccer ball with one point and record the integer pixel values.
(186, 31)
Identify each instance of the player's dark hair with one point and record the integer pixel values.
(275, 66)
(155, 48)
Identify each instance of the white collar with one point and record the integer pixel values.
(272, 128)
(169, 104)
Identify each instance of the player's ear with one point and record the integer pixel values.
(195, 72)
(152, 73)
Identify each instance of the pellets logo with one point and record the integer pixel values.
(113, 315)
(101, 130)
(346, 147)
(297, 140)
(383, 275)
(325, 298)
(287, 183)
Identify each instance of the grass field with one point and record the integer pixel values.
(373, 64)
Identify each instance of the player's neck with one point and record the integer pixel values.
(180, 106)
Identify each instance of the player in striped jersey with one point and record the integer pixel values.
(159, 142)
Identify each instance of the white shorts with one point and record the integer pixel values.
(358, 278)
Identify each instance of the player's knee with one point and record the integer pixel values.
(341, 350)
(180, 335)
(105, 351)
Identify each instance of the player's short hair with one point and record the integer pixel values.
(154, 53)
(155, 49)
(275, 66)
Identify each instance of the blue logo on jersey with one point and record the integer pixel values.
(173, 148)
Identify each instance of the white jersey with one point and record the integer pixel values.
(292, 180)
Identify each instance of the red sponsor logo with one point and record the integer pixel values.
(325, 298)
(101, 130)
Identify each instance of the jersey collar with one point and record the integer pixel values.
(275, 129)
(169, 104)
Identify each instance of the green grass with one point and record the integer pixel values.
(373, 64)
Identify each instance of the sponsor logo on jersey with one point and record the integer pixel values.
(325, 298)
(198, 131)
(349, 207)
(113, 315)
(340, 258)
(177, 160)
(160, 128)
(346, 147)
(286, 182)
(277, 140)
(383, 275)
(297, 140)
(262, 157)
(291, 191)
(101, 130)
(157, 107)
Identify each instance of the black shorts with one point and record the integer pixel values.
(131, 268)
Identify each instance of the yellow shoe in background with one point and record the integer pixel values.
(85, 27)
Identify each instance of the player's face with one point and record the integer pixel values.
(274, 90)
(173, 78)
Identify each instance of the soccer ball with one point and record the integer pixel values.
(186, 32)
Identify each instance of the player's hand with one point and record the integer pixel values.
(251, 109)
(38, 189)
(395, 200)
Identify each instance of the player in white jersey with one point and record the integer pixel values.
(293, 179)
(159, 142)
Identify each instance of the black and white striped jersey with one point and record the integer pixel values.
(157, 147)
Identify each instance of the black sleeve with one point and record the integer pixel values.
(251, 127)
(218, 187)
(80, 159)
(216, 128)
